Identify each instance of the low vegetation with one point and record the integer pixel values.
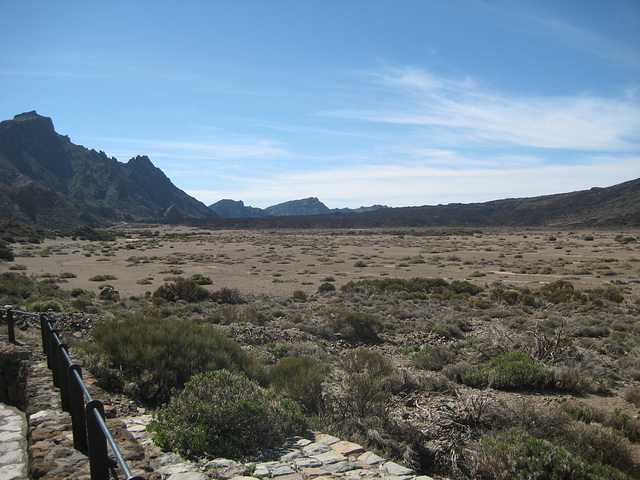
(221, 414)
(461, 379)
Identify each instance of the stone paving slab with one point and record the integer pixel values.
(13, 443)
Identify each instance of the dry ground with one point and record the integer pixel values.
(279, 262)
(267, 267)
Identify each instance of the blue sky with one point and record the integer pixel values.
(398, 102)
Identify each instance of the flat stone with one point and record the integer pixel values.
(137, 428)
(395, 469)
(329, 457)
(12, 457)
(281, 469)
(176, 468)
(275, 469)
(291, 476)
(10, 436)
(169, 458)
(341, 466)
(301, 442)
(188, 476)
(222, 463)
(370, 458)
(307, 462)
(9, 446)
(347, 448)
(316, 448)
(261, 471)
(326, 439)
(313, 472)
(423, 477)
(13, 472)
(287, 457)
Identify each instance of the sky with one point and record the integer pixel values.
(356, 102)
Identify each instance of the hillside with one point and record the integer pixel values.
(49, 181)
(615, 206)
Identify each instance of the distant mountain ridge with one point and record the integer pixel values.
(49, 181)
(306, 206)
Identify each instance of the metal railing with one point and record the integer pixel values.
(90, 431)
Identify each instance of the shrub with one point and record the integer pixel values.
(229, 296)
(159, 354)
(200, 279)
(510, 371)
(358, 326)
(326, 287)
(299, 296)
(300, 378)
(433, 358)
(6, 253)
(180, 289)
(560, 291)
(102, 278)
(517, 455)
(219, 414)
(364, 387)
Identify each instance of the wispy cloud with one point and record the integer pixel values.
(125, 148)
(464, 113)
(419, 184)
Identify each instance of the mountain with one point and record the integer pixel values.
(236, 209)
(49, 181)
(306, 206)
(617, 206)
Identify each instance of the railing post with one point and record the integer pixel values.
(76, 402)
(63, 375)
(98, 455)
(10, 325)
(44, 331)
(53, 351)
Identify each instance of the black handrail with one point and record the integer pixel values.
(90, 431)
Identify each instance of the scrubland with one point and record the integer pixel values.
(463, 354)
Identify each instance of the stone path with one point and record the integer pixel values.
(13, 444)
(317, 456)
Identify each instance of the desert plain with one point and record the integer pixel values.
(277, 262)
(299, 289)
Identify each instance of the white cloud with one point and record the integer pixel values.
(464, 113)
(415, 184)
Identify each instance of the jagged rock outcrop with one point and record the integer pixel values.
(236, 209)
(306, 206)
(47, 180)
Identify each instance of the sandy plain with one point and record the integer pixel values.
(277, 262)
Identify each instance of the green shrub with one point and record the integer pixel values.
(102, 278)
(299, 296)
(358, 326)
(364, 386)
(200, 279)
(226, 295)
(219, 414)
(158, 354)
(180, 289)
(510, 371)
(517, 455)
(6, 253)
(300, 378)
(326, 287)
(560, 291)
(433, 358)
